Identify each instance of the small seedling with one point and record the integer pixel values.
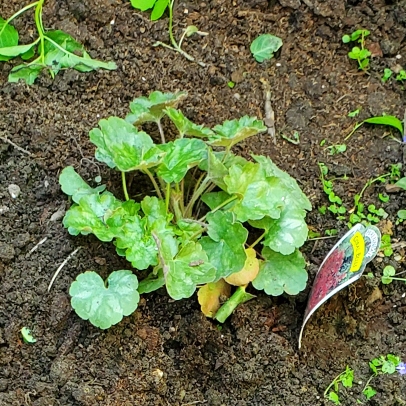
(27, 335)
(264, 47)
(346, 378)
(56, 50)
(295, 139)
(336, 149)
(354, 113)
(386, 245)
(401, 76)
(384, 198)
(193, 232)
(337, 205)
(390, 275)
(158, 8)
(231, 84)
(387, 73)
(359, 53)
(322, 142)
(331, 232)
(383, 365)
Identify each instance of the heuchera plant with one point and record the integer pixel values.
(194, 231)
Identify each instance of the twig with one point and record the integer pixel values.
(34, 248)
(5, 139)
(61, 266)
(269, 113)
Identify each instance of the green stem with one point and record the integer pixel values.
(356, 126)
(40, 29)
(167, 196)
(369, 381)
(225, 203)
(153, 181)
(17, 14)
(257, 240)
(398, 279)
(124, 186)
(336, 380)
(370, 182)
(170, 25)
(239, 296)
(161, 131)
(199, 189)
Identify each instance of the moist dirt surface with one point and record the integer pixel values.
(167, 353)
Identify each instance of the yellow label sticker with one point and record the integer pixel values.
(358, 245)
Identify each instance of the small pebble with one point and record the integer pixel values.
(4, 209)
(14, 190)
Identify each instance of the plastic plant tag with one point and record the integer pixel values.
(343, 265)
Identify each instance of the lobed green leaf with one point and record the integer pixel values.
(264, 47)
(181, 155)
(104, 306)
(232, 132)
(120, 145)
(224, 244)
(281, 273)
(185, 126)
(152, 108)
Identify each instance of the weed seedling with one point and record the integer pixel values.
(193, 231)
(387, 73)
(386, 245)
(354, 113)
(337, 205)
(336, 149)
(383, 365)
(27, 335)
(390, 275)
(56, 50)
(401, 76)
(264, 47)
(295, 139)
(346, 378)
(158, 8)
(359, 53)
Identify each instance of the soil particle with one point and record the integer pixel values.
(7, 252)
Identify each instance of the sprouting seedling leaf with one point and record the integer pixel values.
(27, 335)
(152, 108)
(388, 272)
(232, 132)
(185, 126)
(120, 145)
(281, 273)
(103, 305)
(386, 120)
(248, 273)
(73, 185)
(209, 296)
(264, 47)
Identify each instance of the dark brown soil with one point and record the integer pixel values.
(168, 353)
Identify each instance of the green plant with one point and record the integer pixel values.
(390, 275)
(401, 76)
(192, 232)
(386, 245)
(27, 335)
(360, 54)
(158, 8)
(264, 47)
(372, 214)
(387, 73)
(295, 139)
(336, 149)
(390, 121)
(382, 365)
(346, 378)
(354, 113)
(230, 84)
(337, 204)
(56, 50)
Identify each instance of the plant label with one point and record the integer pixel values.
(343, 265)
